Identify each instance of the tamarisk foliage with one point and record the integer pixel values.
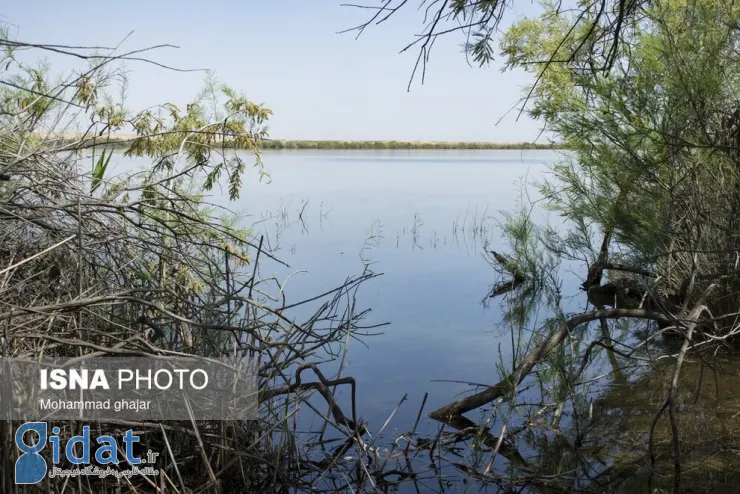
(100, 261)
(644, 95)
(601, 27)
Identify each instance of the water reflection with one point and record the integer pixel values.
(423, 219)
(430, 235)
(428, 221)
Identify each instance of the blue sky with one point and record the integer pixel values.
(287, 54)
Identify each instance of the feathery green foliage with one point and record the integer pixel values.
(134, 262)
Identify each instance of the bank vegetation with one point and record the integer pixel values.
(645, 96)
(98, 261)
(628, 387)
(122, 141)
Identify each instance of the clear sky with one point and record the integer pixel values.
(287, 54)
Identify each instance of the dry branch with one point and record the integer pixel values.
(509, 383)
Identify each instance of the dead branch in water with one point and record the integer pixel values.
(509, 383)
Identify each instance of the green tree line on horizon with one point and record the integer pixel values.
(268, 143)
(339, 144)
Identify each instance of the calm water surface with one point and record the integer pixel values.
(422, 218)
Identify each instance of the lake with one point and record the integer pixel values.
(424, 219)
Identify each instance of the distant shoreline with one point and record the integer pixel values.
(122, 140)
(327, 145)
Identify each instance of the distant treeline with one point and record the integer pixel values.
(287, 144)
(122, 141)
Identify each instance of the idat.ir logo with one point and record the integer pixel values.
(31, 467)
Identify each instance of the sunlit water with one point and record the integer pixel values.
(425, 220)
(422, 218)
